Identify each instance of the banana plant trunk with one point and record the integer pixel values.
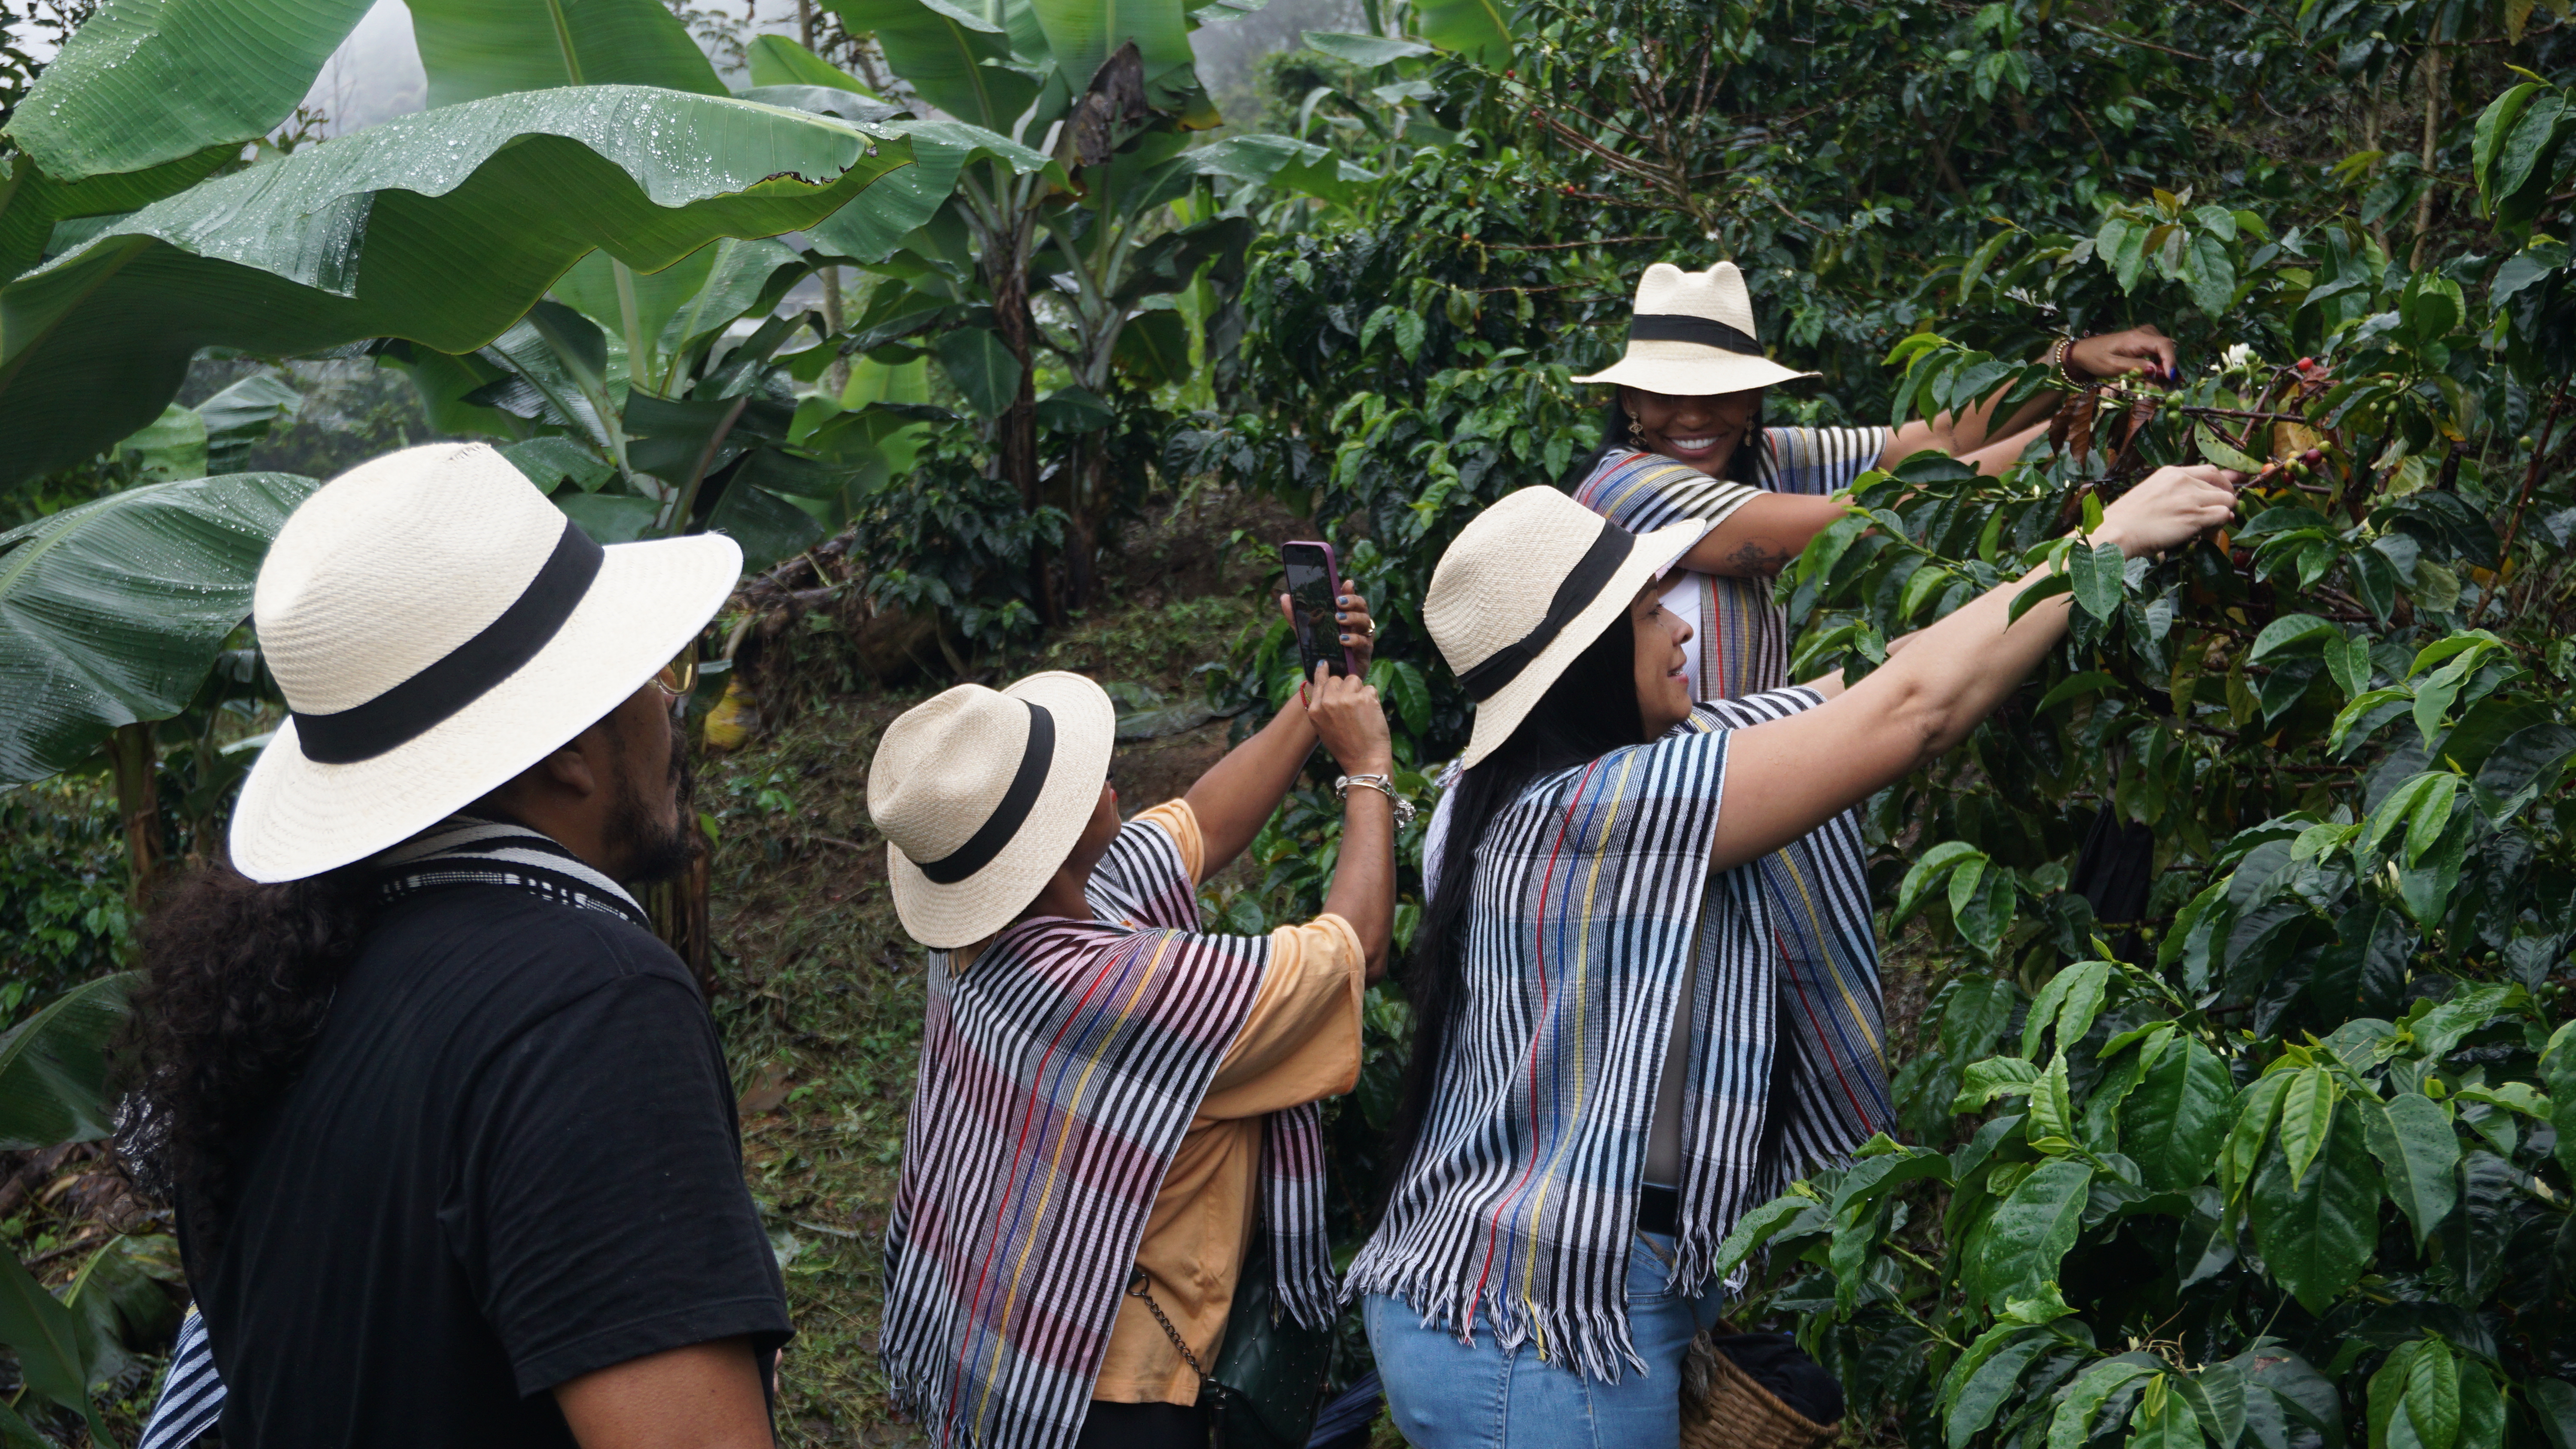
(138, 805)
(1006, 277)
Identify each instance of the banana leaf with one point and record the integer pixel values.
(477, 48)
(53, 1067)
(1082, 33)
(1480, 30)
(148, 82)
(112, 611)
(778, 61)
(870, 229)
(943, 50)
(440, 228)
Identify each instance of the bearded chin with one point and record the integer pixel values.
(655, 852)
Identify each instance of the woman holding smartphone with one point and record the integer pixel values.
(1592, 933)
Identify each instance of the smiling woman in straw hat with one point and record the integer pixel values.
(1603, 918)
(1107, 1094)
(1683, 438)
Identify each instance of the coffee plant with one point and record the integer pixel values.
(2280, 1149)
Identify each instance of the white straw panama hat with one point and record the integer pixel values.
(437, 627)
(1528, 586)
(1692, 336)
(981, 793)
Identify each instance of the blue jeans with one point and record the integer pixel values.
(1449, 1395)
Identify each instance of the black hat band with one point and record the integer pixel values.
(1007, 817)
(1610, 548)
(1679, 327)
(468, 672)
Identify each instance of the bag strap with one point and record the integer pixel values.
(1139, 1286)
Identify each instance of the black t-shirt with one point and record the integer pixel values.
(511, 1160)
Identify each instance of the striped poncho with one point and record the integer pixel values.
(1592, 898)
(1059, 1073)
(1742, 643)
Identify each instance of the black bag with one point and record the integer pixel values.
(1269, 1372)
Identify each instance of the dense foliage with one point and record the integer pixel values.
(2270, 1154)
(2242, 1124)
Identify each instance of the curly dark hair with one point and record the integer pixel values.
(238, 979)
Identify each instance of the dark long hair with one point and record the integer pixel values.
(1589, 711)
(238, 979)
(1742, 466)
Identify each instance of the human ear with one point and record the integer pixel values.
(570, 768)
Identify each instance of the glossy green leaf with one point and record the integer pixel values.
(148, 82)
(241, 415)
(53, 1067)
(2419, 1153)
(1082, 33)
(2178, 1117)
(2072, 1423)
(2098, 573)
(776, 60)
(941, 50)
(2070, 1001)
(982, 367)
(2291, 633)
(871, 228)
(2307, 1114)
(2052, 1110)
(1759, 1226)
(2031, 1229)
(1984, 1376)
(2211, 275)
(2257, 1108)
(111, 611)
(1480, 30)
(49, 1342)
(2164, 1420)
(1934, 867)
(440, 227)
(472, 49)
(2317, 1233)
(1994, 1077)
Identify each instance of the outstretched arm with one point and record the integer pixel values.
(1763, 534)
(1239, 792)
(1352, 723)
(1785, 778)
(2111, 354)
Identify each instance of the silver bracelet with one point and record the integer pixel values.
(1382, 784)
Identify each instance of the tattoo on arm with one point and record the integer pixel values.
(1758, 556)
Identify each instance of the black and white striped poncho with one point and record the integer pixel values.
(1058, 1075)
(1592, 897)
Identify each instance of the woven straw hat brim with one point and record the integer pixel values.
(1686, 369)
(945, 917)
(1652, 555)
(299, 818)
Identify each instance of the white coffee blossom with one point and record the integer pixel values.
(2237, 358)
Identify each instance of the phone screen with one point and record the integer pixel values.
(1309, 568)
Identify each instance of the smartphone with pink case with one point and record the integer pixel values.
(1314, 589)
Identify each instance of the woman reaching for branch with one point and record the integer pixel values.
(1683, 438)
(1602, 920)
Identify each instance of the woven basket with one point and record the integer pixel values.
(1723, 1407)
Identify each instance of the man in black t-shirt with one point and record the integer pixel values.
(449, 1131)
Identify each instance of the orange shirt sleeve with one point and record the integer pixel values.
(1301, 1041)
